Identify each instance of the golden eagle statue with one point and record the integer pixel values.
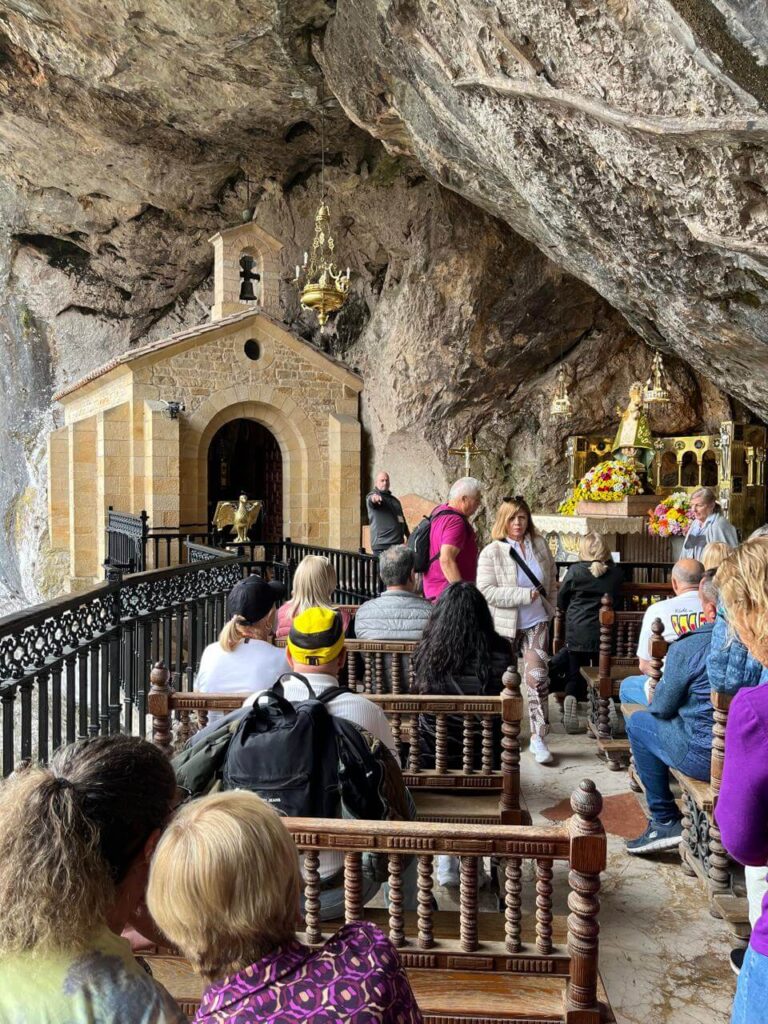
(241, 514)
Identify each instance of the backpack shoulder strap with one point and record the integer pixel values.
(328, 695)
(437, 515)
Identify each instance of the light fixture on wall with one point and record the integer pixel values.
(173, 409)
(324, 287)
(561, 402)
(656, 389)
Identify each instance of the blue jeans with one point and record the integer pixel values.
(632, 690)
(751, 1003)
(653, 760)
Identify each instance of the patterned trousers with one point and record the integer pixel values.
(531, 644)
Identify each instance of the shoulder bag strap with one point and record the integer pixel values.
(531, 576)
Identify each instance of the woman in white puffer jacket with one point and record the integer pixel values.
(522, 611)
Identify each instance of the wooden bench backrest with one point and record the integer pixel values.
(386, 665)
(579, 842)
(403, 712)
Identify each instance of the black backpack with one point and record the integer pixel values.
(306, 762)
(419, 539)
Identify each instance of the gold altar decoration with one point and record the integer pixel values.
(656, 390)
(241, 514)
(561, 402)
(634, 440)
(470, 451)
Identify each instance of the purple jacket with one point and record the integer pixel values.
(355, 977)
(742, 806)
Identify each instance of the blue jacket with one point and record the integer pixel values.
(681, 701)
(730, 665)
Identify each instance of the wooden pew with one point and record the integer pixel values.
(701, 850)
(386, 665)
(633, 597)
(468, 966)
(469, 794)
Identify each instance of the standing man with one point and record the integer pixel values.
(452, 540)
(385, 514)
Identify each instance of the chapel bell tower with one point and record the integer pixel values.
(246, 269)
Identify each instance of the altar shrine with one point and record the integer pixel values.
(240, 404)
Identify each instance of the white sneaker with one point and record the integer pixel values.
(540, 750)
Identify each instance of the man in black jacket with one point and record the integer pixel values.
(385, 514)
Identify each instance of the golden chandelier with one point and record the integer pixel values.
(325, 287)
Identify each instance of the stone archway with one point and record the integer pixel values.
(245, 458)
(293, 432)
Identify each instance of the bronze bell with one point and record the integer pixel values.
(247, 280)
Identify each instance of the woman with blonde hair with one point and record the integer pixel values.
(244, 659)
(75, 844)
(714, 554)
(580, 597)
(709, 525)
(313, 585)
(742, 806)
(517, 576)
(237, 927)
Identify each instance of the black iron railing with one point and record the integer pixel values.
(79, 666)
(357, 572)
(126, 541)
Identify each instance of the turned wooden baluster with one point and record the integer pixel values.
(411, 675)
(604, 668)
(380, 683)
(396, 723)
(396, 670)
(487, 748)
(396, 931)
(509, 802)
(544, 906)
(719, 865)
(312, 896)
(367, 673)
(424, 882)
(158, 706)
(658, 648)
(353, 886)
(352, 681)
(441, 745)
(185, 729)
(587, 859)
(414, 751)
(468, 904)
(513, 892)
(685, 839)
(202, 718)
(558, 631)
(469, 744)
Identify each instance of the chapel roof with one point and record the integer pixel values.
(193, 332)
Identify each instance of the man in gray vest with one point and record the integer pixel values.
(399, 614)
(385, 514)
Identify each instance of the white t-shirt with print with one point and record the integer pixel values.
(680, 614)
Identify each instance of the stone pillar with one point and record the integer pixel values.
(343, 481)
(226, 279)
(113, 465)
(161, 466)
(83, 519)
(58, 488)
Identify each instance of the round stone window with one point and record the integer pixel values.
(252, 349)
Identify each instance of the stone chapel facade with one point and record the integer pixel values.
(261, 408)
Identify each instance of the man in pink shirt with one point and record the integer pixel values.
(452, 541)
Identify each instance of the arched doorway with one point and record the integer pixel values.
(245, 458)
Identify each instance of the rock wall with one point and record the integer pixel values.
(519, 183)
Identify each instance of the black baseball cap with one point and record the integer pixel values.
(253, 597)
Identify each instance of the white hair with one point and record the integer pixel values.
(466, 487)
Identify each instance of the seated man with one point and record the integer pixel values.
(676, 730)
(316, 650)
(399, 614)
(680, 614)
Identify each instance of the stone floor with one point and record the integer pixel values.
(663, 958)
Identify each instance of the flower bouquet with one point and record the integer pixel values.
(611, 480)
(672, 517)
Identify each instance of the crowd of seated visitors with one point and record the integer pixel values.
(580, 596)
(679, 614)
(313, 585)
(238, 927)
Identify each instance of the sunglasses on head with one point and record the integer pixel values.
(518, 498)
